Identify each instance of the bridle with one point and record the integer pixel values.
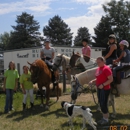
(59, 64)
(77, 85)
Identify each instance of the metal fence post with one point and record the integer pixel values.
(64, 82)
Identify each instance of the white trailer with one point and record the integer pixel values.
(21, 56)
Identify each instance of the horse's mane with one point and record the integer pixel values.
(66, 57)
(41, 64)
(78, 54)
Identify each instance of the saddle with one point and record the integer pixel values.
(122, 74)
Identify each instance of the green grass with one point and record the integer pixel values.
(56, 118)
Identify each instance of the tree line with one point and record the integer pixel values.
(26, 31)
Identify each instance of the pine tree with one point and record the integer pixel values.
(118, 12)
(102, 31)
(83, 32)
(58, 31)
(4, 40)
(116, 21)
(25, 33)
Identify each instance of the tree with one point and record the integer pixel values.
(25, 33)
(118, 12)
(116, 21)
(58, 31)
(102, 31)
(83, 32)
(4, 40)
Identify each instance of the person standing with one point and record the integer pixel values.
(86, 50)
(10, 85)
(111, 50)
(103, 79)
(27, 87)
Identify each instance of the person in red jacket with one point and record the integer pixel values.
(103, 79)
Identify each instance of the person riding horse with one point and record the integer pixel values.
(124, 58)
(111, 50)
(124, 64)
(86, 50)
(47, 55)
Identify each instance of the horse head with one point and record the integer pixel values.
(35, 70)
(74, 58)
(58, 61)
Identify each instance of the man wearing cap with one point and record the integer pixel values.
(111, 50)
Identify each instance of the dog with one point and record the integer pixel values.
(73, 110)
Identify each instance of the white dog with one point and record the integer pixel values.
(73, 110)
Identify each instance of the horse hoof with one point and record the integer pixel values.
(41, 105)
(113, 116)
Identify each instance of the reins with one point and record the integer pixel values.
(93, 95)
(78, 85)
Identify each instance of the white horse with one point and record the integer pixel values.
(69, 63)
(87, 65)
(64, 61)
(123, 88)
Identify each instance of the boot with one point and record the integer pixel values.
(24, 106)
(32, 105)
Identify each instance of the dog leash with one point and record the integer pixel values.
(93, 94)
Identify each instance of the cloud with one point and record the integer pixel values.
(92, 1)
(65, 8)
(31, 5)
(89, 20)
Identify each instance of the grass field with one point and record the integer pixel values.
(55, 118)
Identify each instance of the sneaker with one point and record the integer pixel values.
(102, 122)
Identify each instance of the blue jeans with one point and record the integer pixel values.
(9, 99)
(115, 69)
(109, 61)
(103, 99)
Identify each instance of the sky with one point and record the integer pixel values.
(75, 13)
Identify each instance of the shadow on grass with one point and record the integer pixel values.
(58, 113)
(29, 112)
(97, 115)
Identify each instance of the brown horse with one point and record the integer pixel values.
(41, 74)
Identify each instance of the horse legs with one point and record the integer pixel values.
(57, 78)
(57, 92)
(47, 95)
(72, 101)
(41, 92)
(112, 97)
